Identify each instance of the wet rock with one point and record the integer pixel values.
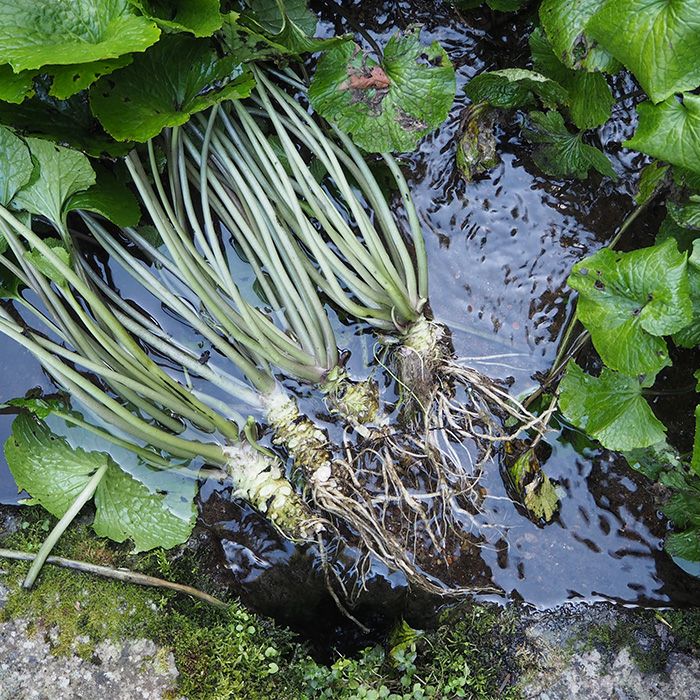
(129, 670)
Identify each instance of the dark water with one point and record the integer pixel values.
(499, 250)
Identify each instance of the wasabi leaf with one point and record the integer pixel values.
(695, 459)
(45, 266)
(136, 103)
(670, 131)
(685, 545)
(15, 87)
(387, 107)
(71, 79)
(126, 509)
(689, 336)
(658, 41)
(34, 34)
(199, 17)
(16, 165)
(561, 153)
(686, 215)
(652, 178)
(59, 173)
(565, 23)
(110, 197)
(514, 87)
(534, 487)
(54, 474)
(609, 408)
(629, 300)
(653, 460)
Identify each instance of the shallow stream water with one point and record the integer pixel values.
(499, 249)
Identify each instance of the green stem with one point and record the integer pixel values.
(85, 495)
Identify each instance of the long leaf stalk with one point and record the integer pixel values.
(88, 336)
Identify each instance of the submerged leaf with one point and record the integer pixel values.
(685, 545)
(199, 17)
(16, 165)
(534, 487)
(561, 153)
(54, 474)
(653, 460)
(565, 23)
(670, 131)
(34, 34)
(609, 408)
(137, 103)
(71, 79)
(476, 150)
(45, 266)
(58, 173)
(387, 107)
(629, 300)
(658, 41)
(514, 87)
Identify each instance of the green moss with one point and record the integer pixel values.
(233, 654)
(685, 627)
(638, 636)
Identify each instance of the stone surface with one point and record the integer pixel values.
(129, 670)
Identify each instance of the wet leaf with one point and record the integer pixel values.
(535, 489)
(689, 336)
(515, 87)
(653, 460)
(40, 407)
(387, 107)
(34, 34)
(110, 197)
(476, 150)
(561, 153)
(199, 17)
(15, 87)
(629, 300)
(609, 408)
(565, 23)
(58, 174)
(650, 181)
(45, 266)
(589, 97)
(684, 237)
(135, 103)
(71, 79)
(686, 215)
(685, 545)
(16, 165)
(670, 131)
(695, 459)
(658, 41)
(54, 474)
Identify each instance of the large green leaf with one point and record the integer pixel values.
(670, 131)
(58, 173)
(685, 545)
(629, 300)
(68, 122)
(54, 474)
(16, 165)
(15, 87)
(609, 408)
(589, 96)
(561, 153)
(70, 79)
(110, 197)
(387, 107)
(658, 40)
(36, 33)
(199, 17)
(515, 87)
(689, 336)
(45, 266)
(565, 22)
(138, 103)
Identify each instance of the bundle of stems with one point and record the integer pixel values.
(143, 408)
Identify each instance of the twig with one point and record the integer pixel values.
(360, 30)
(118, 574)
